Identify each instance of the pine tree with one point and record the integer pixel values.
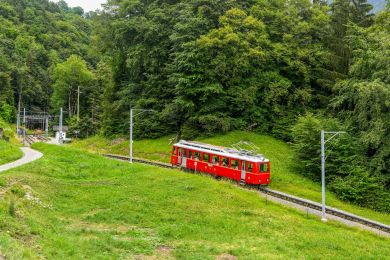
(344, 13)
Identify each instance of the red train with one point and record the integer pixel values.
(239, 165)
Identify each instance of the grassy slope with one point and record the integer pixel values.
(86, 206)
(9, 152)
(284, 178)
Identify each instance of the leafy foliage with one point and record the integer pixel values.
(36, 35)
(346, 170)
(69, 78)
(213, 65)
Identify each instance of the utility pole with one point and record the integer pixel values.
(60, 127)
(24, 123)
(131, 129)
(46, 125)
(323, 160)
(18, 119)
(131, 136)
(78, 103)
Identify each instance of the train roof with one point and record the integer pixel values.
(222, 151)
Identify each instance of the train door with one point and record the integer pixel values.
(179, 156)
(184, 158)
(243, 171)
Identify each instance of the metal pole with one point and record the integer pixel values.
(131, 136)
(24, 123)
(131, 130)
(47, 126)
(18, 119)
(78, 103)
(60, 127)
(323, 174)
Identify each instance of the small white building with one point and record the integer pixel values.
(61, 135)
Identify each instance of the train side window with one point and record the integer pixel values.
(234, 164)
(206, 157)
(197, 155)
(225, 162)
(215, 159)
(264, 167)
(190, 154)
(174, 150)
(250, 167)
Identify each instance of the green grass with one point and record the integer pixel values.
(284, 177)
(9, 152)
(86, 206)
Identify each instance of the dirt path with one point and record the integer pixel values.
(30, 155)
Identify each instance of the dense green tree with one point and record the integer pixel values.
(363, 99)
(343, 14)
(70, 77)
(346, 164)
(35, 35)
(178, 58)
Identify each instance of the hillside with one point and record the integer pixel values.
(9, 152)
(283, 68)
(71, 204)
(285, 174)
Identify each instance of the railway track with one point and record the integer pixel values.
(283, 196)
(31, 139)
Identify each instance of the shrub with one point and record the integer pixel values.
(7, 112)
(362, 189)
(346, 165)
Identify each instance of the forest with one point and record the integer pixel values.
(277, 67)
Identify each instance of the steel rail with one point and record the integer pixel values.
(283, 196)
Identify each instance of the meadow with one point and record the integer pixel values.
(72, 204)
(285, 173)
(9, 152)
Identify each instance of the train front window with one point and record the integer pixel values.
(174, 151)
(183, 152)
(264, 167)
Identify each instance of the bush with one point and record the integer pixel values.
(8, 131)
(341, 153)
(7, 112)
(82, 128)
(346, 165)
(362, 189)
(306, 137)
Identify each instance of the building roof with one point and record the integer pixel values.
(222, 151)
(57, 128)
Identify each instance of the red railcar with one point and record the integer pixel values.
(239, 165)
